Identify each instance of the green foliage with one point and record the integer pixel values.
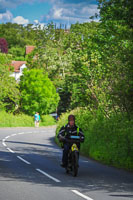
(18, 53)
(37, 92)
(22, 120)
(9, 91)
(17, 35)
(120, 10)
(115, 50)
(65, 99)
(47, 120)
(92, 64)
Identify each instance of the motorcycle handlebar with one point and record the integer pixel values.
(72, 139)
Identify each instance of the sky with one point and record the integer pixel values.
(64, 12)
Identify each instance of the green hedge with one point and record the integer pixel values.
(108, 140)
(22, 120)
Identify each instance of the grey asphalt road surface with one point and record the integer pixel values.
(30, 170)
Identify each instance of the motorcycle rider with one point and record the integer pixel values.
(70, 129)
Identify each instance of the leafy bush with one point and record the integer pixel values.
(37, 92)
(22, 120)
(47, 120)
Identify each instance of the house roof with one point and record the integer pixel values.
(17, 65)
(29, 49)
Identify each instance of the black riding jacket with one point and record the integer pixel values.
(67, 131)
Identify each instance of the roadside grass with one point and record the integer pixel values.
(22, 120)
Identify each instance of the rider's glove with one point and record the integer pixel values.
(61, 138)
(81, 139)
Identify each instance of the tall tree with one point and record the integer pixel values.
(38, 93)
(121, 11)
(18, 35)
(116, 45)
(9, 91)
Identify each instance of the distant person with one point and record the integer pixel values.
(36, 118)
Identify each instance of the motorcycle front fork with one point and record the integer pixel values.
(70, 160)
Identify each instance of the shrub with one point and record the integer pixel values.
(23, 120)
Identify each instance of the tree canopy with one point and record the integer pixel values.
(9, 90)
(38, 93)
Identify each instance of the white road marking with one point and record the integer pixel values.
(4, 144)
(7, 137)
(14, 134)
(51, 177)
(20, 133)
(10, 150)
(25, 161)
(81, 195)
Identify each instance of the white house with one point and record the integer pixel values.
(20, 65)
(18, 69)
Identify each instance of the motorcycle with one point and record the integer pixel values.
(73, 155)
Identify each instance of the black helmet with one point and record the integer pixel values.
(71, 117)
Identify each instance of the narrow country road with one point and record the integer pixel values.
(30, 170)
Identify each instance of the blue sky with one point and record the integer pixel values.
(44, 11)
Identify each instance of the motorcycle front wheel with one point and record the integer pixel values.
(75, 164)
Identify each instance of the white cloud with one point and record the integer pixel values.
(57, 13)
(71, 13)
(7, 16)
(90, 10)
(62, 11)
(20, 20)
